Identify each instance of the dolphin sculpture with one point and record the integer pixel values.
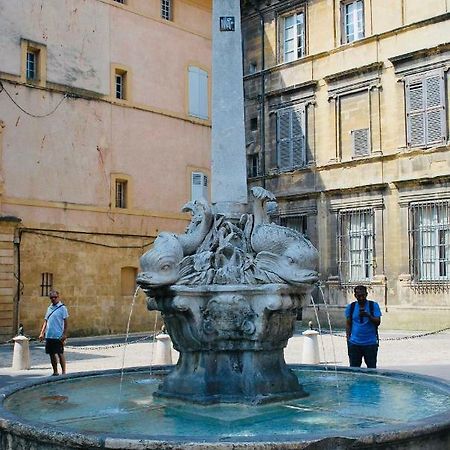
(281, 250)
(160, 266)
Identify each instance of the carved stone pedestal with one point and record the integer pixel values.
(231, 341)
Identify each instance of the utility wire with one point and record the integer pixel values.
(40, 233)
(2, 88)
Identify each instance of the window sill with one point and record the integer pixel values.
(278, 171)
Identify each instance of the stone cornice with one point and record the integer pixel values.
(307, 85)
(373, 68)
(423, 59)
(406, 57)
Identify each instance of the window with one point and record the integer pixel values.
(253, 124)
(253, 165)
(128, 280)
(121, 194)
(32, 65)
(352, 21)
(356, 245)
(298, 223)
(360, 142)
(120, 1)
(34, 62)
(430, 241)
(425, 109)
(198, 92)
(291, 138)
(252, 67)
(293, 33)
(199, 186)
(121, 84)
(46, 283)
(166, 9)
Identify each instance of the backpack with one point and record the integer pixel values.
(371, 310)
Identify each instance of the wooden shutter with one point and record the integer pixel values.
(291, 137)
(435, 108)
(415, 112)
(425, 109)
(284, 139)
(298, 136)
(360, 140)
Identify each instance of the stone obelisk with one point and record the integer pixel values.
(229, 175)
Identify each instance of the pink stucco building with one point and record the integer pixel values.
(104, 135)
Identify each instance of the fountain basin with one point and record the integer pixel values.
(231, 340)
(347, 408)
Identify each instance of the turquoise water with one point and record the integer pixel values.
(342, 401)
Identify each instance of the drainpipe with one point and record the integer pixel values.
(16, 242)
(262, 95)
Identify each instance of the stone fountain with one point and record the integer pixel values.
(229, 290)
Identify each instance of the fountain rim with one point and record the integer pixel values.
(9, 422)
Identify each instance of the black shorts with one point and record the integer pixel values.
(54, 347)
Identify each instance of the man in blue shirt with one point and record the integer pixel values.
(54, 329)
(363, 319)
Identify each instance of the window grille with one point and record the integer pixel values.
(253, 165)
(46, 283)
(356, 238)
(429, 233)
(298, 223)
(120, 1)
(352, 21)
(360, 141)
(121, 194)
(31, 66)
(293, 37)
(166, 9)
(425, 109)
(291, 137)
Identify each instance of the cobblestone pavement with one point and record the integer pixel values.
(428, 355)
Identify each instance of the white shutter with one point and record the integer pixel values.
(425, 109)
(298, 137)
(199, 186)
(284, 139)
(194, 94)
(435, 108)
(360, 140)
(203, 91)
(205, 187)
(415, 112)
(198, 92)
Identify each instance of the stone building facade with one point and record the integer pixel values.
(104, 135)
(347, 122)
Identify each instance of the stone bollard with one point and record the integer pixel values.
(163, 351)
(310, 353)
(21, 355)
